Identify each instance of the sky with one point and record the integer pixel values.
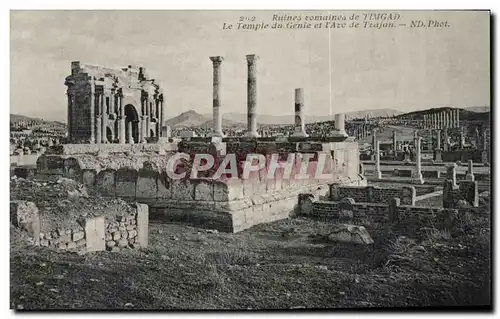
(340, 70)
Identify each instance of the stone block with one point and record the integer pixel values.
(24, 215)
(125, 182)
(105, 182)
(147, 185)
(345, 233)
(89, 177)
(408, 195)
(203, 190)
(78, 235)
(221, 192)
(142, 224)
(164, 186)
(95, 234)
(182, 190)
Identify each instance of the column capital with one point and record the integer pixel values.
(251, 58)
(217, 60)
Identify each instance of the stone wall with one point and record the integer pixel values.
(462, 155)
(92, 233)
(405, 219)
(231, 203)
(455, 196)
(126, 231)
(73, 149)
(373, 194)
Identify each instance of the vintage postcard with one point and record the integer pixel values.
(250, 160)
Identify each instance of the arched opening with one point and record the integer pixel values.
(109, 135)
(131, 124)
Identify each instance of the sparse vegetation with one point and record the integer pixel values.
(191, 268)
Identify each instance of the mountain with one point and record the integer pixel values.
(187, 119)
(479, 109)
(290, 119)
(38, 121)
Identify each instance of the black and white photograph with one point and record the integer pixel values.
(250, 160)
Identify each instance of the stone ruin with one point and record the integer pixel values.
(138, 172)
(62, 215)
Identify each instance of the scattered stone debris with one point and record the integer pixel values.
(350, 234)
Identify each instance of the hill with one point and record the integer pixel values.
(187, 119)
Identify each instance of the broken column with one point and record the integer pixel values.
(300, 125)
(446, 144)
(374, 138)
(252, 96)
(417, 174)
(217, 115)
(394, 141)
(378, 172)
(470, 174)
(451, 174)
(462, 139)
(340, 125)
(484, 153)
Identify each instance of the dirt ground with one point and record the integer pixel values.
(282, 265)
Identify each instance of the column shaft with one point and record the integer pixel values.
(252, 96)
(216, 96)
(300, 126)
(92, 112)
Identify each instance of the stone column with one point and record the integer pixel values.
(374, 138)
(161, 113)
(300, 125)
(112, 102)
(446, 144)
(92, 111)
(70, 114)
(438, 139)
(104, 120)
(130, 136)
(394, 140)
(252, 96)
(470, 174)
(157, 115)
(98, 120)
(451, 174)
(378, 172)
(417, 174)
(142, 129)
(217, 115)
(340, 124)
(462, 139)
(458, 117)
(149, 103)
